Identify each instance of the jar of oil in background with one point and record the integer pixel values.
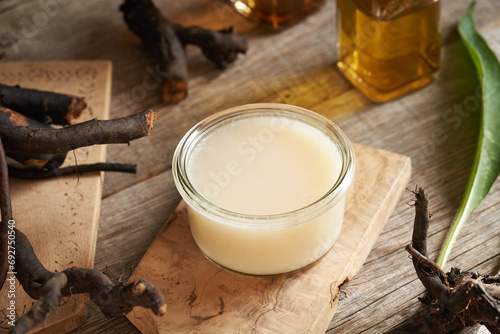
(387, 48)
(276, 14)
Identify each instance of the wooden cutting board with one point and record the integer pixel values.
(60, 216)
(203, 298)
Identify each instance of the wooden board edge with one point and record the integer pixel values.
(68, 324)
(324, 318)
(108, 70)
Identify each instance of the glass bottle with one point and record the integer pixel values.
(276, 13)
(387, 48)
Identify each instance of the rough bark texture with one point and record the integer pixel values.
(33, 161)
(49, 300)
(158, 36)
(48, 107)
(42, 141)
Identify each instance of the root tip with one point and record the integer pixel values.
(151, 116)
(174, 92)
(139, 288)
(162, 310)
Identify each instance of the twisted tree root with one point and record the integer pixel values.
(113, 300)
(457, 299)
(49, 287)
(166, 40)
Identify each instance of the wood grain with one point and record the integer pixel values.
(202, 298)
(60, 216)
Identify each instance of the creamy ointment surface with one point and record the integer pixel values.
(264, 165)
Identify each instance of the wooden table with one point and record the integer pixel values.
(295, 66)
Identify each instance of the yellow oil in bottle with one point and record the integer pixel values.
(387, 48)
(276, 14)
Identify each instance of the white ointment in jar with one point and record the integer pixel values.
(265, 186)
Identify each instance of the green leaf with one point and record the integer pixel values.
(486, 166)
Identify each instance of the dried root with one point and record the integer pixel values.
(42, 141)
(43, 106)
(10, 117)
(166, 40)
(457, 299)
(37, 150)
(220, 47)
(48, 302)
(49, 287)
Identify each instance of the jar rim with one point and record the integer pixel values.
(205, 207)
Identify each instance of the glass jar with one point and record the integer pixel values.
(276, 14)
(265, 187)
(387, 48)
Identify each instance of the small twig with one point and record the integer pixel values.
(166, 40)
(41, 141)
(69, 170)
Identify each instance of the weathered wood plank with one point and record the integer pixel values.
(267, 73)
